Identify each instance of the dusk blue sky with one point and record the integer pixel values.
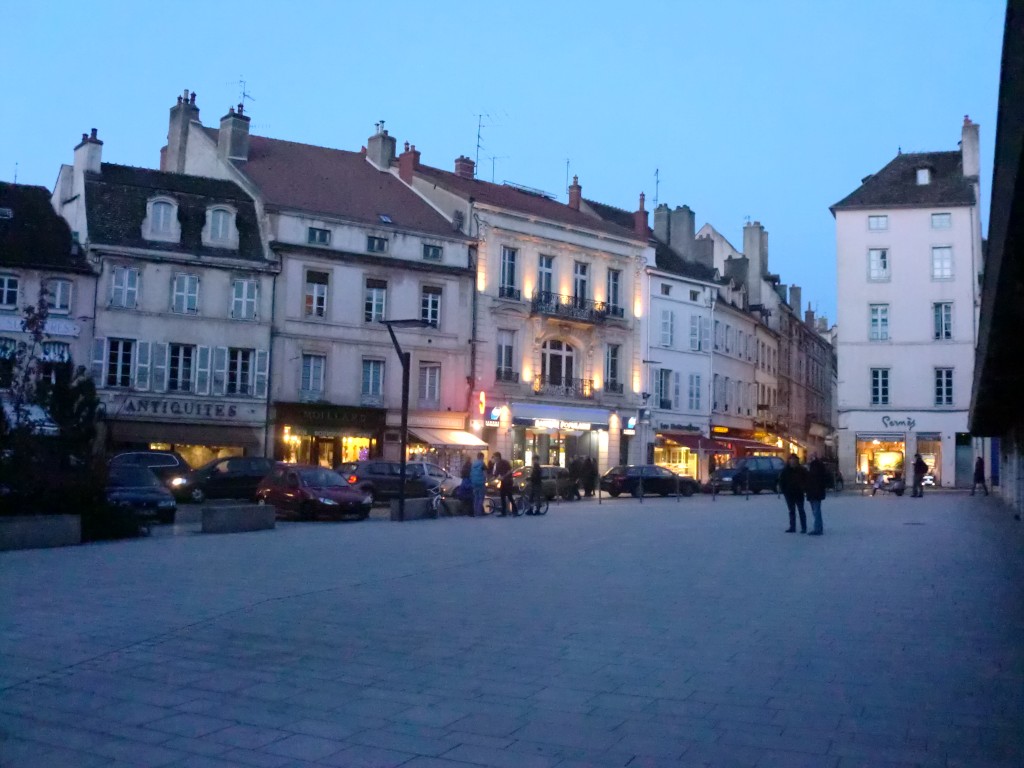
(767, 110)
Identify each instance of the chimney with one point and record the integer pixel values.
(969, 150)
(704, 251)
(408, 162)
(575, 193)
(795, 298)
(182, 115)
(735, 267)
(380, 148)
(754, 241)
(682, 229)
(464, 167)
(640, 220)
(88, 153)
(661, 220)
(233, 139)
(809, 316)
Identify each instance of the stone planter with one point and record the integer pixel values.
(415, 509)
(238, 518)
(39, 531)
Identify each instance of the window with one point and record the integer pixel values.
(58, 293)
(695, 323)
(924, 176)
(943, 320)
(942, 263)
(180, 368)
(557, 362)
(728, 338)
(545, 273)
(878, 222)
(243, 299)
(878, 264)
(942, 220)
(580, 281)
(666, 289)
(376, 244)
(943, 386)
(124, 288)
(430, 385)
(240, 371)
(8, 291)
(220, 230)
(430, 305)
(614, 288)
(611, 367)
(693, 392)
(373, 380)
(879, 322)
(507, 280)
(185, 294)
(718, 334)
(506, 356)
(668, 327)
(879, 386)
(8, 353)
(375, 299)
(663, 389)
(432, 252)
(694, 295)
(54, 355)
(120, 353)
(312, 384)
(316, 293)
(316, 236)
(160, 221)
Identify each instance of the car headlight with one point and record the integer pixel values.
(178, 481)
(327, 502)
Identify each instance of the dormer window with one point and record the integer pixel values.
(924, 176)
(161, 221)
(220, 230)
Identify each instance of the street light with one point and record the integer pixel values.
(647, 428)
(405, 360)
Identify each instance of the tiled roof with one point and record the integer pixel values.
(515, 199)
(115, 203)
(670, 261)
(34, 235)
(896, 184)
(610, 213)
(337, 183)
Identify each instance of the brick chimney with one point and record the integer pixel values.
(809, 316)
(796, 298)
(88, 154)
(465, 167)
(182, 115)
(380, 148)
(969, 149)
(408, 162)
(662, 215)
(640, 220)
(233, 139)
(575, 193)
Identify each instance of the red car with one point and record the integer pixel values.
(309, 492)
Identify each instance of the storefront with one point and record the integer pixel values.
(880, 453)
(873, 443)
(328, 435)
(689, 454)
(559, 433)
(744, 442)
(199, 428)
(438, 437)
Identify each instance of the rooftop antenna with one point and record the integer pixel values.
(243, 94)
(567, 176)
(657, 184)
(479, 138)
(15, 173)
(493, 158)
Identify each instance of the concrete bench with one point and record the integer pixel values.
(415, 509)
(38, 531)
(238, 518)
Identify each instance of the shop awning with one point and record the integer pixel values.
(449, 438)
(185, 434)
(696, 442)
(751, 445)
(595, 418)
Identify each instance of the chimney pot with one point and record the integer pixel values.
(640, 220)
(92, 133)
(464, 167)
(192, 98)
(85, 136)
(575, 193)
(233, 138)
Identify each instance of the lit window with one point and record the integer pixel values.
(878, 264)
(316, 293)
(375, 300)
(942, 263)
(942, 220)
(878, 222)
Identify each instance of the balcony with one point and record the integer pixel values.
(613, 387)
(508, 292)
(506, 375)
(558, 386)
(666, 405)
(572, 308)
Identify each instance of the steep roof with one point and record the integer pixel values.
(668, 260)
(115, 203)
(896, 184)
(335, 182)
(517, 199)
(34, 235)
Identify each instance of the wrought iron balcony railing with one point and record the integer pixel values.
(507, 375)
(613, 387)
(559, 386)
(572, 307)
(665, 405)
(508, 292)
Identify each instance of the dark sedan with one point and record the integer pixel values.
(233, 477)
(137, 489)
(309, 492)
(643, 479)
(751, 473)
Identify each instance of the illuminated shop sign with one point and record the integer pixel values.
(563, 426)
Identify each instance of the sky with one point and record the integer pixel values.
(747, 109)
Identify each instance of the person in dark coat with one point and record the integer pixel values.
(503, 472)
(920, 470)
(979, 476)
(816, 484)
(792, 483)
(589, 475)
(574, 478)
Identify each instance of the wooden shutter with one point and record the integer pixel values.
(99, 358)
(202, 370)
(262, 374)
(220, 370)
(142, 366)
(676, 386)
(160, 367)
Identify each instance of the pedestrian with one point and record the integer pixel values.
(536, 486)
(920, 470)
(478, 479)
(503, 472)
(816, 485)
(574, 479)
(792, 482)
(589, 475)
(979, 476)
(467, 467)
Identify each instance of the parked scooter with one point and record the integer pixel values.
(896, 485)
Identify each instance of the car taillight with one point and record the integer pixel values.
(353, 479)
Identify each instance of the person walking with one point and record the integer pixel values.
(979, 476)
(792, 482)
(574, 479)
(815, 488)
(478, 479)
(503, 471)
(920, 470)
(536, 486)
(589, 475)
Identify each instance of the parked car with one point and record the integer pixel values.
(381, 479)
(169, 466)
(234, 477)
(307, 492)
(651, 478)
(554, 481)
(138, 489)
(432, 476)
(758, 473)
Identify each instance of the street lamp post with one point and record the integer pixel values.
(648, 429)
(405, 358)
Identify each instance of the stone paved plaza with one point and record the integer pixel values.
(683, 633)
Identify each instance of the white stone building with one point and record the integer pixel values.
(908, 252)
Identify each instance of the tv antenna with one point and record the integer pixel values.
(493, 158)
(243, 94)
(479, 138)
(657, 184)
(567, 176)
(15, 173)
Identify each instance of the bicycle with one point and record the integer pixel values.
(540, 508)
(520, 503)
(442, 504)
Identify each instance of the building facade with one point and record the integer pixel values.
(908, 252)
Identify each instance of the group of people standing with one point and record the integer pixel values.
(582, 476)
(797, 482)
